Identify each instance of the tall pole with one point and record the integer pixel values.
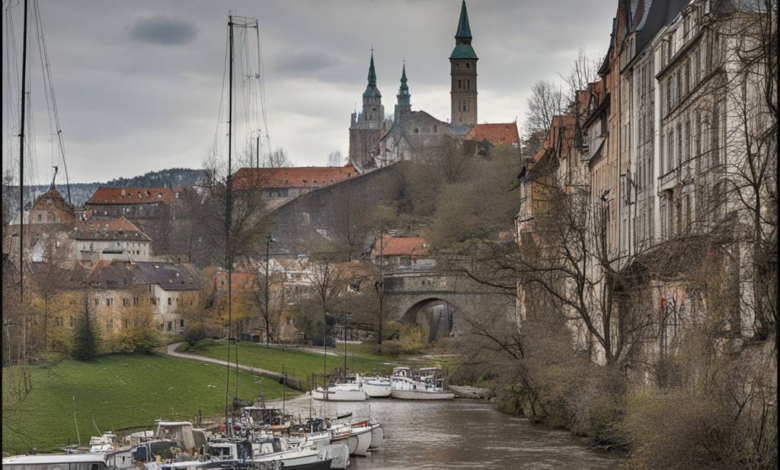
(228, 220)
(21, 162)
(258, 149)
(267, 281)
(345, 333)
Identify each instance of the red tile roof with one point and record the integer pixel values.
(398, 246)
(52, 197)
(114, 229)
(496, 134)
(294, 177)
(112, 195)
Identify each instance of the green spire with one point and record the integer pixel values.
(372, 71)
(371, 90)
(404, 86)
(464, 31)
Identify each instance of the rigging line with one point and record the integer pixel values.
(53, 98)
(49, 113)
(13, 81)
(261, 74)
(221, 100)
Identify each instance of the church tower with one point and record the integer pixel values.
(372, 98)
(404, 105)
(463, 70)
(365, 128)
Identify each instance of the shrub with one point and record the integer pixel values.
(390, 348)
(412, 339)
(677, 430)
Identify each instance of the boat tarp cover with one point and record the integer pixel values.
(181, 433)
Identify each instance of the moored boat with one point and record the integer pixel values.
(340, 392)
(427, 387)
(376, 387)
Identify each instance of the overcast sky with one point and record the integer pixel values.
(138, 84)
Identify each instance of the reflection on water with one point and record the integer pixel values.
(460, 434)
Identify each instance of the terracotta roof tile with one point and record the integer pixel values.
(118, 195)
(115, 229)
(397, 246)
(496, 134)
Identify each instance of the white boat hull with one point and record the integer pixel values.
(339, 455)
(363, 436)
(338, 395)
(421, 395)
(377, 436)
(377, 390)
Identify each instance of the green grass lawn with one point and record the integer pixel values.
(303, 364)
(117, 391)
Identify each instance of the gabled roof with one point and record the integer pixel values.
(124, 275)
(496, 134)
(119, 195)
(57, 202)
(399, 246)
(119, 229)
(294, 177)
(169, 276)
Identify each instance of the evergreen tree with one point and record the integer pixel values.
(86, 336)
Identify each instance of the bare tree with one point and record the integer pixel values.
(334, 158)
(546, 101)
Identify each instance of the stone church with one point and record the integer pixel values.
(376, 140)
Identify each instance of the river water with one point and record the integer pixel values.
(460, 434)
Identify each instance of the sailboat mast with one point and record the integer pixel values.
(21, 159)
(228, 219)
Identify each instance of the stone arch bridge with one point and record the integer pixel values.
(432, 300)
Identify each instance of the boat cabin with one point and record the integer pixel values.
(402, 372)
(59, 462)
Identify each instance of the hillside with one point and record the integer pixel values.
(81, 192)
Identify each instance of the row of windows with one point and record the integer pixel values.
(687, 76)
(60, 321)
(464, 84)
(109, 301)
(676, 143)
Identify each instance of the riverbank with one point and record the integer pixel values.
(301, 364)
(116, 391)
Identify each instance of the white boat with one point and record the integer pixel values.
(428, 387)
(377, 435)
(357, 437)
(340, 392)
(105, 443)
(97, 461)
(376, 387)
(338, 455)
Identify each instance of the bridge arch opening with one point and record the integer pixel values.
(435, 315)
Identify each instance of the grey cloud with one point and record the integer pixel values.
(163, 31)
(305, 60)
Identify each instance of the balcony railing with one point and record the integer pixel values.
(669, 180)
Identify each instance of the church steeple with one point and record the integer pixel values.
(372, 98)
(404, 105)
(464, 31)
(463, 70)
(371, 89)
